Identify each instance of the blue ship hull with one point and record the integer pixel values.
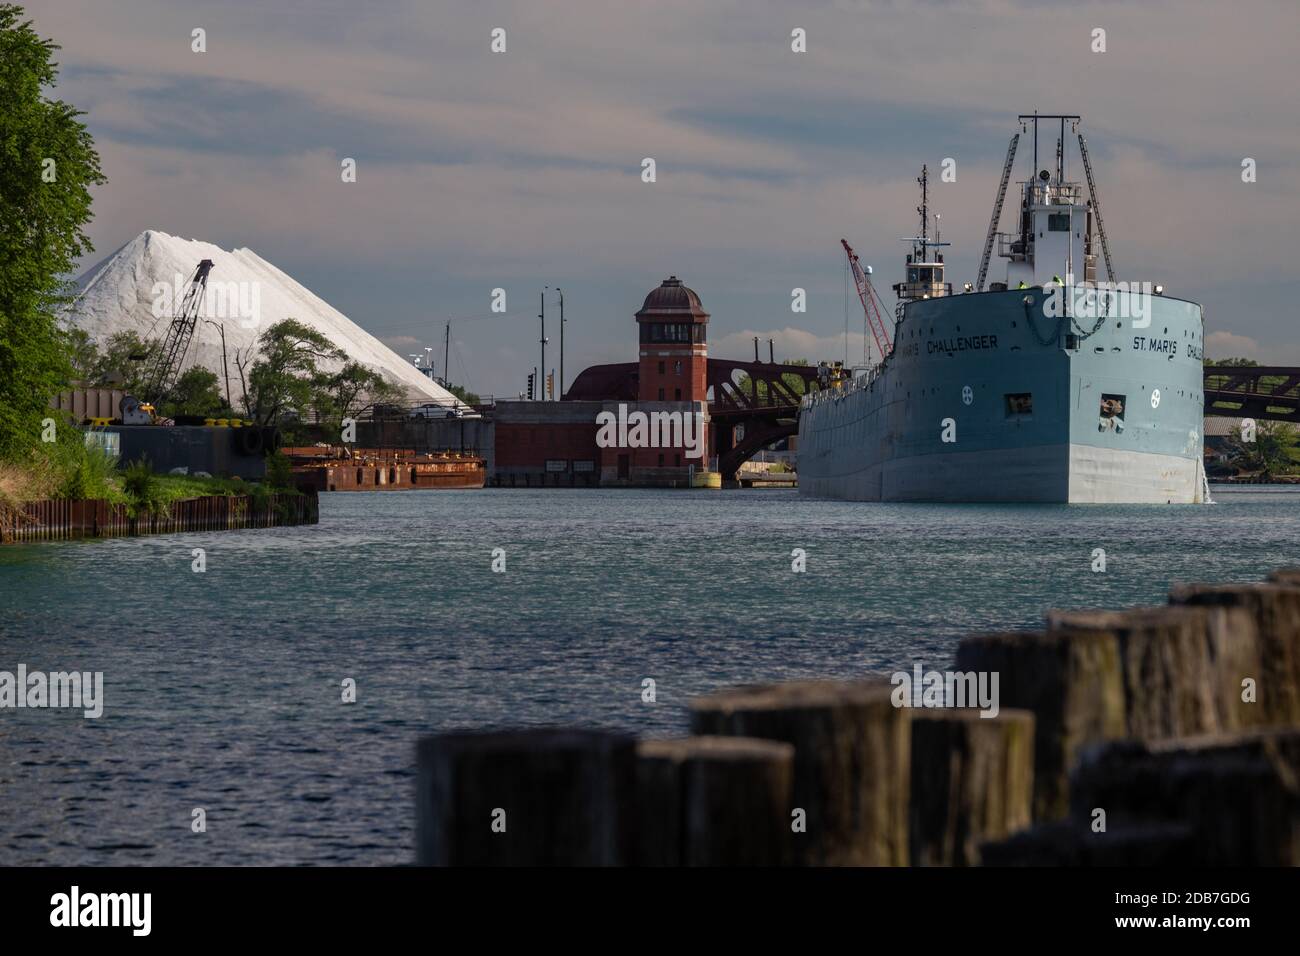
(991, 397)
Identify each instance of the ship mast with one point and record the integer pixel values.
(924, 208)
(924, 279)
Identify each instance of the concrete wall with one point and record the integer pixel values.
(546, 444)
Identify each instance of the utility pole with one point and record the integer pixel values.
(225, 366)
(561, 291)
(542, 315)
(446, 349)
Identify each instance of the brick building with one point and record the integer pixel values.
(563, 444)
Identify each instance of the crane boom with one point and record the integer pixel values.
(1096, 207)
(997, 213)
(870, 303)
(171, 353)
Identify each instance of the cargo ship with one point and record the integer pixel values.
(1047, 387)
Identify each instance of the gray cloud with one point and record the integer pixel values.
(521, 170)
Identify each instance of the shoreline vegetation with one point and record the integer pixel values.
(70, 471)
(45, 205)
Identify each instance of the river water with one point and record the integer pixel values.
(223, 689)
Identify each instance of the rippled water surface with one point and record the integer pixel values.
(223, 689)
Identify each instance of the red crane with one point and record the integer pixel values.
(870, 302)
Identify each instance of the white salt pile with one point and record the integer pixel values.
(140, 285)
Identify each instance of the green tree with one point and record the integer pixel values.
(465, 395)
(83, 354)
(197, 392)
(1235, 362)
(286, 377)
(123, 362)
(353, 386)
(49, 165)
(1271, 453)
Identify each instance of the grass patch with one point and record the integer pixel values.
(68, 469)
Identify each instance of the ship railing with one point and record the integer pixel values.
(1056, 194)
(846, 387)
(1007, 243)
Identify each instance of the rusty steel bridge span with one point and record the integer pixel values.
(1263, 392)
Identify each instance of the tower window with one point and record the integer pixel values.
(1058, 222)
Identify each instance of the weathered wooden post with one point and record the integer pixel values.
(1270, 695)
(972, 781)
(1239, 794)
(1072, 683)
(1072, 842)
(545, 797)
(714, 801)
(1288, 576)
(851, 763)
(1171, 688)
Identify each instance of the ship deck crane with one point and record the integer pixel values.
(166, 367)
(1096, 207)
(870, 302)
(997, 213)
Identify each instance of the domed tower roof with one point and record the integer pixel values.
(672, 301)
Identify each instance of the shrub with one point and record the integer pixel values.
(143, 488)
(279, 471)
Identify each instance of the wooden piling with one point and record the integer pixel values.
(541, 797)
(1239, 794)
(1074, 843)
(1073, 684)
(1268, 637)
(714, 801)
(1169, 659)
(972, 782)
(851, 762)
(1287, 576)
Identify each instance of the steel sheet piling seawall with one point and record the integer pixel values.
(63, 519)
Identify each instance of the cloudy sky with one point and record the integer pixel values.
(522, 169)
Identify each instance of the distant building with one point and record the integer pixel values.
(644, 425)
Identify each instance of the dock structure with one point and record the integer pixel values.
(339, 468)
(66, 519)
(1162, 735)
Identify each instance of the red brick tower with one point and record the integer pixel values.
(674, 348)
